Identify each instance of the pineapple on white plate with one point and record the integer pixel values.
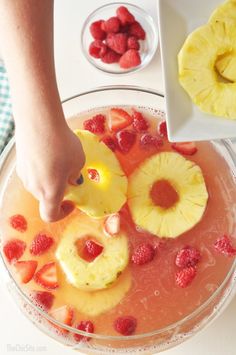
(198, 74)
(185, 177)
(106, 194)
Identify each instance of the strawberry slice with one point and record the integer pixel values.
(63, 315)
(186, 148)
(26, 270)
(46, 277)
(112, 224)
(118, 119)
(14, 249)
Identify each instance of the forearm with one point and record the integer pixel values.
(26, 36)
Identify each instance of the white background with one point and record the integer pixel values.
(75, 75)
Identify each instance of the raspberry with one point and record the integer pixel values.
(95, 124)
(133, 43)
(148, 141)
(110, 142)
(112, 25)
(96, 30)
(43, 299)
(187, 256)
(162, 129)
(14, 249)
(110, 57)
(125, 140)
(85, 326)
(117, 42)
(144, 253)
(125, 325)
(92, 248)
(185, 276)
(93, 175)
(97, 49)
(40, 244)
(124, 15)
(139, 122)
(224, 246)
(130, 59)
(18, 222)
(135, 29)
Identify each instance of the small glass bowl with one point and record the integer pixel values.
(147, 47)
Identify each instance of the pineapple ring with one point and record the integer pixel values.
(187, 180)
(198, 60)
(103, 197)
(104, 270)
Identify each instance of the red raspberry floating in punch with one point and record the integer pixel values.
(140, 124)
(125, 325)
(86, 326)
(224, 246)
(188, 256)
(184, 277)
(40, 244)
(144, 253)
(18, 222)
(14, 249)
(125, 140)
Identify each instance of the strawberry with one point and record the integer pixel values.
(85, 326)
(96, 30)
(130, 59)
(43, 299)
(143, 253)
(40, 244)
(224, 246)
(93, 175)
(26, 270)
(112, 224)
(112, 25)
(186, 148)
(119, 119)
(162, 129)
(110, 57)
(18, 222)
(124, 15)
(125, 140)
(117, 42)
(14, 249)
(125, 325)
(96, 124)
(133, 43)
(64, 315)
(97, 49)
(187, 256)
(110, 142)
(185, 276)
(148, 141)
(46, 277)
(92, 249)
(136, 30)
(139, 122)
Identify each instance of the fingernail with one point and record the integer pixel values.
(80, 180)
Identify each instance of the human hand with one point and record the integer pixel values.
(46, 162)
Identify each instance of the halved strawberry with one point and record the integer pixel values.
(26, 270)
(186, 148)
(118, 119)
(47, 276)
(14, 249)
(112, 224)
(63, 315)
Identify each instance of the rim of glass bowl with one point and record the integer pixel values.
(131, 70)
(227, 144)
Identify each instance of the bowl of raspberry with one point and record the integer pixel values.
(119, 38)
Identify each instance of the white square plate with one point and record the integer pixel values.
(177, 18)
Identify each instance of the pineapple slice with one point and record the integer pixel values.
(104, 270)
(226, 65)
(103, 197)
(197, 68)
(186, 179)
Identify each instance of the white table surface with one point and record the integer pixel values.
(17, 334)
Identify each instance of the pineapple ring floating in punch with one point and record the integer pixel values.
(188, 195)
(198, 74)
(105, 269)
(107, 194)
